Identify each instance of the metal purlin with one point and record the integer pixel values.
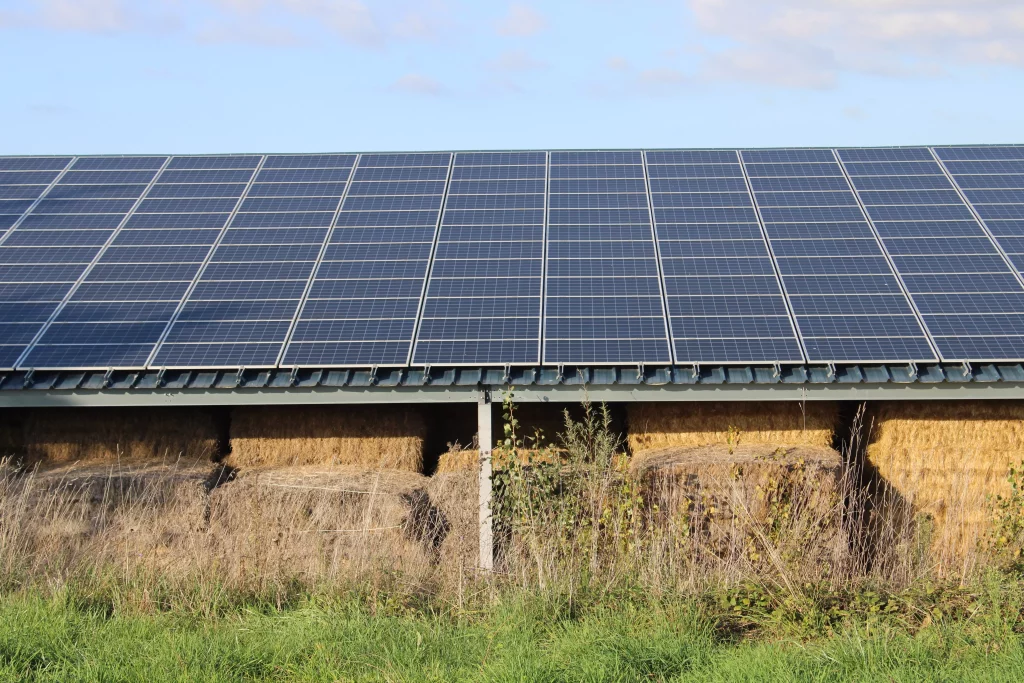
(414, 341)
(662, 285)
(206, 262)
(793, 322)
(92, 264)
(888, 259)
(316, 265)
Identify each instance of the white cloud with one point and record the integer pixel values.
(808, 43)
(521, 20)
(417, 84)
(268, 22)
(516, 60)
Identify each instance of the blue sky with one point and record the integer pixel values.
(188, 76)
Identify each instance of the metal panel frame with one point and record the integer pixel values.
(85, 273)
(202, 268)
(430, 263)
(316, 265)
(532, 394)
(662, 285)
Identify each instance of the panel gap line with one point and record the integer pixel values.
(929, 337)
(543, 327)
(40, 198)
(791, 314)
(977, 217)
(421, 308)
(206, 262)
(89, 268)
(316, 265)
(662, 285)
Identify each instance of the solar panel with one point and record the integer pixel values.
(949, 264)
(604, 301)
(241, 307)
(361, 306)
(868, 255)
(846, 299)
(483, 298)
(724, 300)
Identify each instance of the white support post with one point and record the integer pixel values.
(485, 437)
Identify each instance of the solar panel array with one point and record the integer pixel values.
(874, 255)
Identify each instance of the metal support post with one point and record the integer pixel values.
(485, 437)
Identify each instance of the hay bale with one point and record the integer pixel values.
(316, 522)
(80, 515)
(946, 459)
(734, 504)
(369, 436)
(54, 437)
(456, 495)
(662, 425)
(458, 460)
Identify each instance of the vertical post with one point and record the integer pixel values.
(485, 437)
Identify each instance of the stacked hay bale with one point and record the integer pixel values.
(370, 436)
(752, 502)
(321, 523)
(945, 461)
(53, 437)
(790, 423)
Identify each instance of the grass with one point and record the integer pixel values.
(58, 639)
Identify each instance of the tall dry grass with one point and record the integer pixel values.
(575, 517)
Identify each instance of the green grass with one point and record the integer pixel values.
(529, 639)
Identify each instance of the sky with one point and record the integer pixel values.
(205, 76)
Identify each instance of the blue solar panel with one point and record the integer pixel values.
(947, 253)
(714, 252)
(834, 270)
(604, 298)
(496, 258)
(375, 262)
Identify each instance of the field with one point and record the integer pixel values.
(741, 545)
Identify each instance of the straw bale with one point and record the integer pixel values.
(456, 495)
(790, 495)
(464, 460)
(945, 459)
(94, 512)
(661, 425)
(316, 522)
(370, 436)
(104, 435)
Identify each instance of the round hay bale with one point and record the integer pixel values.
(729, 501)
(318, 523)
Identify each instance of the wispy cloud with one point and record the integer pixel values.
(810, 43)
(264, 22)
(521, 20)
(515, 60)
(417, 84)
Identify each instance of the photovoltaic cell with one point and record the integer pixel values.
(603, 298)
(846, 298)
(938, 227)
(714, 255)
(374, 265)
(242, 306)
(483, 298)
